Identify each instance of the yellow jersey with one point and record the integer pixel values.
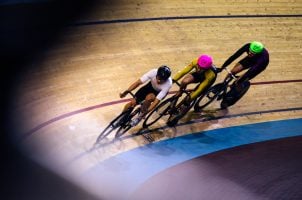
(209, 74)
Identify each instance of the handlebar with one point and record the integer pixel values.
(129, 92)
(230, 73)
(178, 84)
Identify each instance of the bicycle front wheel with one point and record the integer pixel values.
(122, 130)
(208, 97)
(126, 125)
(160, 111)
(115, 123)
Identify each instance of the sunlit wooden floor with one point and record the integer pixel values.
(59, 109)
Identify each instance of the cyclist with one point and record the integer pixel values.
(152, 93)
(255, 61)
(204, 73)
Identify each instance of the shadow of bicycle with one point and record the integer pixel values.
(157, 133)
(206, 115)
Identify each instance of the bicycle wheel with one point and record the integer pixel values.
(233, 96)
(125, 126)
(113, 125)
(209, 96)
(183, 108)
(161, 110)
(122, 130)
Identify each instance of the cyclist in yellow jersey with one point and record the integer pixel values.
(205, 74)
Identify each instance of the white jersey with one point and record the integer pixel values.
(163, 88)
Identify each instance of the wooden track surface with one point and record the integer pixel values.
(89, 65)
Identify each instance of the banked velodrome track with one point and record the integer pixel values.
(250, 151)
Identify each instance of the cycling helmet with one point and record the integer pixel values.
(163, 72)
(205, 61)
(256, 47)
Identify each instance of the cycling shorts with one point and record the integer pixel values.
(144, 91)
(198, 77)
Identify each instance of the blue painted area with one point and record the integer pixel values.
(136, 166)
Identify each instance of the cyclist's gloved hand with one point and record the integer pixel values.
(123, 94)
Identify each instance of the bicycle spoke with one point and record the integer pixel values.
(115, 123)
(183, 109)
(104, 133)
(160, 111)
(122, 130)
(211, 95)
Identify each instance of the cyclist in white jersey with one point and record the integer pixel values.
(152, 93)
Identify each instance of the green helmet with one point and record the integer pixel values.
(256, 47)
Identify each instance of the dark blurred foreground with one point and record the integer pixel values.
(26, 31)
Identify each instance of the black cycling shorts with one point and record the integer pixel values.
(247, 62)
(198, 77)
(250, 74)
(144, 91)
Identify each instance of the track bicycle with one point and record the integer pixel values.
(173, 108)
(227, 91)
(122, 123)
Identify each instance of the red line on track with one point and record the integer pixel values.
(63, 116)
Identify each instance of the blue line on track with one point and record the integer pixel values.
(135, 166)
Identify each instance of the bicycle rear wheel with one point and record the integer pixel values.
(183, 109)
(115, 123)
(208, 97)
(161, 110)
(233, 96)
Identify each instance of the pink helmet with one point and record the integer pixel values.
(205, 61)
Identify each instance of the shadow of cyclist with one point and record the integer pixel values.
(207, 115)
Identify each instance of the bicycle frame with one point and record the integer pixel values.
(121, 122)
(220, 92)
(170, 107)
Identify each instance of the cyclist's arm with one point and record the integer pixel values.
(147, 76)
(185, 70)
(209, 79)
(238, 53)
(131, 87)
(134, 85)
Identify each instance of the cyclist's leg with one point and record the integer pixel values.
(249, 75)
(204, 83)
(238, 67)
(194, 77)
(147, 103)
(147, 95)
(139, 97)
(141, 94)
(201, 92)
(188, 79)
(132, 104)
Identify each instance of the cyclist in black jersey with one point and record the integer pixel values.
(256, 60)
